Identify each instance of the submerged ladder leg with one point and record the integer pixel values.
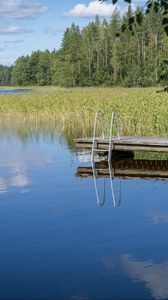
(100, 202)
(110, 149)
(111, 172)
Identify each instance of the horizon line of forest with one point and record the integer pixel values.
(99, 54)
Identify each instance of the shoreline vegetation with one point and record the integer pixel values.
(142, 111)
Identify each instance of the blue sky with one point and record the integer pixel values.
(29, 25)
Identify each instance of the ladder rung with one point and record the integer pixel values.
(101, 150)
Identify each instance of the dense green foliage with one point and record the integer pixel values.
(33, 70)
(102, 54)
(158, 6)
(5, 75)
(99, 55)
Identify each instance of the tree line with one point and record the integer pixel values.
(101, 53)
(5, 75)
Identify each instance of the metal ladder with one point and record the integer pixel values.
(110, 149)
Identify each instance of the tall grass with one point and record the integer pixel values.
(142, 111)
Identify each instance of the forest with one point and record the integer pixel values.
(104, 53)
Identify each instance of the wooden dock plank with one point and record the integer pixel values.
(128, 169)
(127, 143)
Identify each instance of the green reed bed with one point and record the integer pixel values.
(142, 110)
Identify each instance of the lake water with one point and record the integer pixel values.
(13, 91)
(56, 242)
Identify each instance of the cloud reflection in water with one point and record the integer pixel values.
(16, 163)
(155, 276)
(157, 216)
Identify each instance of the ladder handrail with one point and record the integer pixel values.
(101, 202)
(115, 202)
(94, 130)
(111, 172)
(110, 137)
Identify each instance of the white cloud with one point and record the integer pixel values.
(14, 30)
(53, 30)
(14, 41)
(21, 8)
(139, 2)
(92, 9)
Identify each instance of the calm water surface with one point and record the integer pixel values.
(57, 243)
(13, 91)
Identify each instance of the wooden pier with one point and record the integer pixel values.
(125, 143)
(131, 168)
